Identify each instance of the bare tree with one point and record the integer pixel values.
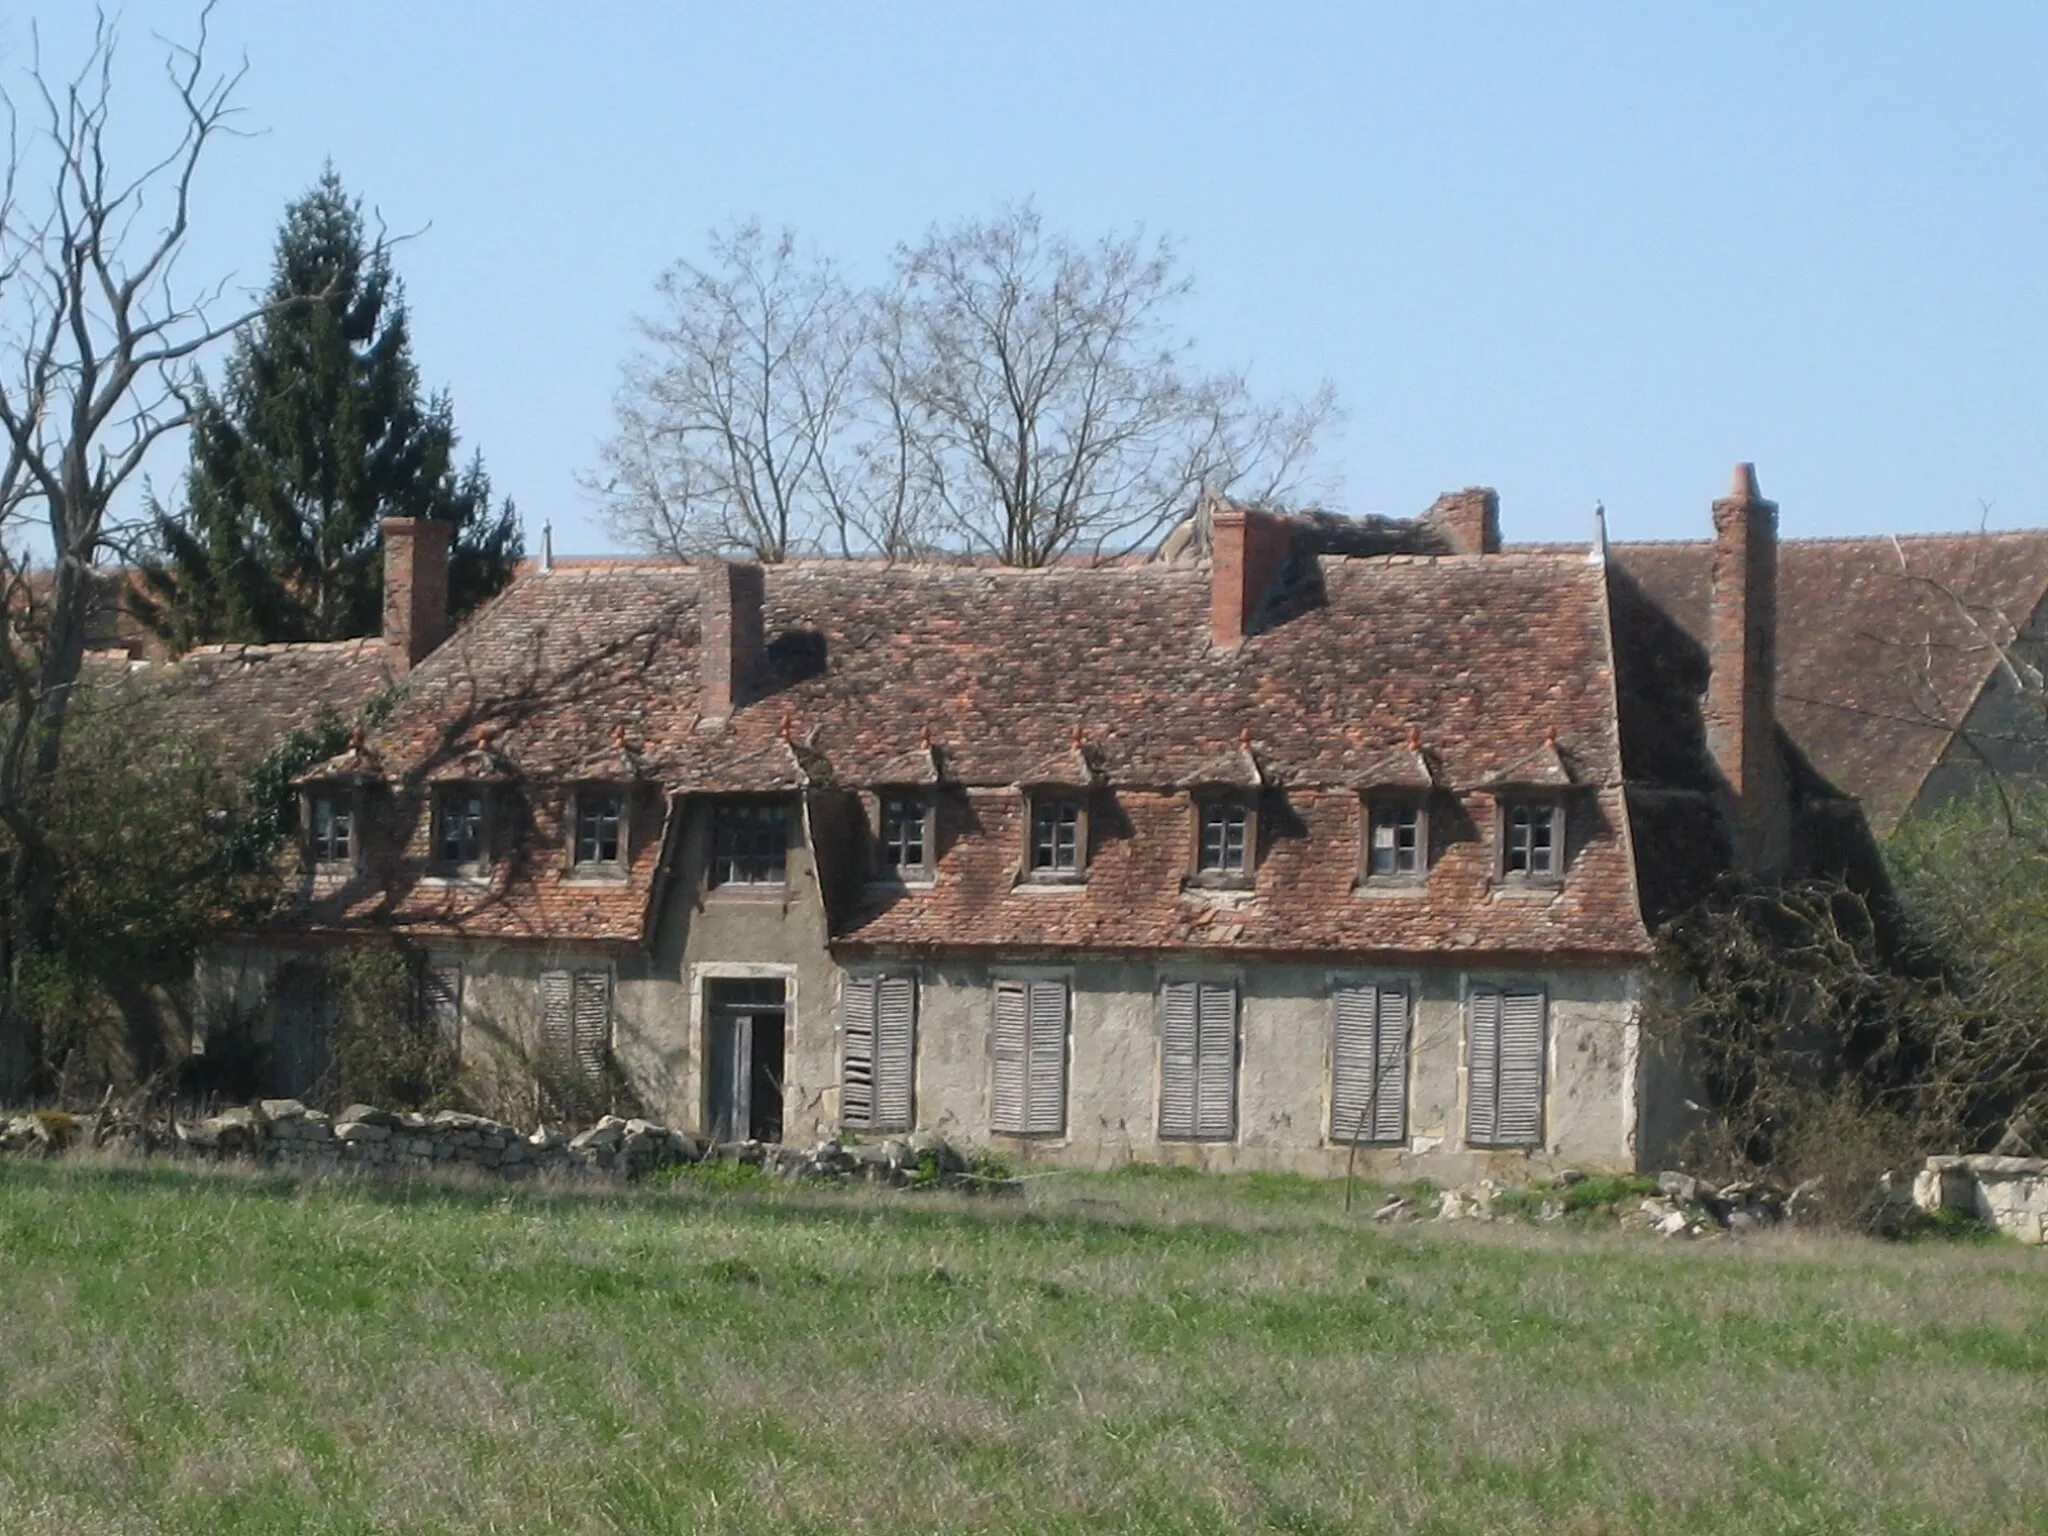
(1052, 406)
(1010, 392)
(733, 421)
(98, 336)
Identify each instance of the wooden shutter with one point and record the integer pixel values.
(1353, 1055)
(557, 1020)
(593, 1023)
(1519, 1118)
(1482, 1066)
(444, 1005)
(1179, 1057)
(1010, 1044)
(1046, 1068)
(1369, 1064)
(1216, 1072)
(1390, 1068)
(895, 1047)
(857, 1053)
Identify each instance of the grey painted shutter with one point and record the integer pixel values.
(857, 1053)
(444, 1005)
(1482, 1066)
(557, 1020)
(1390, 1066)
(895, 1046)
(1046, 1068)
(1216, 1071)
(1353, 1054)
(1010, 1043)
(1179, 1055)
(1520, 1116)
(593, 1023)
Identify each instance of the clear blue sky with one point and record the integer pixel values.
(1573, 252)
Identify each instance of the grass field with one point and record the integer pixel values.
(217, 1352)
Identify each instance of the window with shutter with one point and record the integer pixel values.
(576, 1023)
(1028, 1041)
(444, 1005)
(1369, 1064)
(1198, 1061)
(1504, 1066)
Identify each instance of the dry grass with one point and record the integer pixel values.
(211, 1352)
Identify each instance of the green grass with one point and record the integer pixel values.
(216, 1352)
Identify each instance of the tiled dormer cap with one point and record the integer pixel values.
(1407, 766)
(1548, 767)
(1236, 768)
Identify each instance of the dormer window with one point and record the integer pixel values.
(1396, 840)
(1224, 847)
(905, 844)
(1059, 836)
(750, 843)
(461, 828)
(331, 826)
(600, 831)
(1532, 845)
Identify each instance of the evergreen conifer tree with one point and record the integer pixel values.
(317, 431)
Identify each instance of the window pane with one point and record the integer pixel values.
(1530, 846)
(459, 835)
(598, 818)
(1396, 846)
(1054, 828)
(1223, 838)
(903, 832)
(750, 844)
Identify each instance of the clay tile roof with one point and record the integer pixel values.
(1547, 767)
(1883, 643)
(1237, 768)
(357, 763)
(1000, 665)
(1407, 766)
(244, 697)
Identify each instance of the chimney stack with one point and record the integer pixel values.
(415, 586)
(1247, 547)
(1742, 651)
(730, 638)
(1469, 520)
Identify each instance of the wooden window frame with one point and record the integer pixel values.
(487, 815)
(1055, 794)
(347, 798)
(1200, 1125)
(1374, 804)
(1483, 1094)
(1504, 809)
(868, 1101)
(600, 868)
(1371, 1117)
(1038, 1067)
(716, 877)
(882, 871)
(1207, 802)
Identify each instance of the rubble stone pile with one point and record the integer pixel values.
(284, 1133)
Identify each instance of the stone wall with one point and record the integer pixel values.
(2009, 1194)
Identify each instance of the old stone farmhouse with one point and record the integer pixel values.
(1303, 834)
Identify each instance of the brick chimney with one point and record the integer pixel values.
(1247, 547)
(1742, 650)
(415, 586)
(1469, 520)
(730, 638)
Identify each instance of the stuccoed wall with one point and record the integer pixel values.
(1594, 1089)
